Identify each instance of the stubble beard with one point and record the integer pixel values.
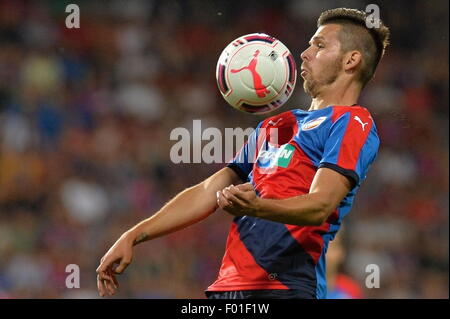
(313, 87)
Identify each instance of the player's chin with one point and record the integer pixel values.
(306, 87)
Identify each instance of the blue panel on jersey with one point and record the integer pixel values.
(276, 251)
(242, 163)
(333, 143)
(310, 139)
(368, 154)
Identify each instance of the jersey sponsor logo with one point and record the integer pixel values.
(273, 156)
(313, 123)
(360, 121)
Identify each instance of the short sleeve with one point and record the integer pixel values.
(243, 161)
(352, 145)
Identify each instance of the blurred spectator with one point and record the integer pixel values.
(340, 285)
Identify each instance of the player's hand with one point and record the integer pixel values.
(120, 253)
(239, 200)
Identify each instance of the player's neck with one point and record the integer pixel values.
(336, 94)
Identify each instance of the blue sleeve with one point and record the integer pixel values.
(352, 145)
(243, 161)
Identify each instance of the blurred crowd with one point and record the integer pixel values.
(85, 119)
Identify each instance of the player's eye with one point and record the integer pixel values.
(320, 45)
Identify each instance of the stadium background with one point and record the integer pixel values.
(85, 117)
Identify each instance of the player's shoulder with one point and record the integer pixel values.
(355, 110)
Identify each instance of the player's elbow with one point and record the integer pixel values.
(317, 219)
(323, 210)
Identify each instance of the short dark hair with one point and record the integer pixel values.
(355, 35)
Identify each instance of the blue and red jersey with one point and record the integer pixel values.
(280, 159)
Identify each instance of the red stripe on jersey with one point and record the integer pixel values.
(239, 270)
(292, 181)
(310, 238)
(283, 182)
(356, 133)
(283, 124)
(338, 111)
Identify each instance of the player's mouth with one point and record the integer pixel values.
(303, 72)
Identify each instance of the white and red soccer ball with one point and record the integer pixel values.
(256, 73)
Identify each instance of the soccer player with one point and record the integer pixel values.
(288, 194)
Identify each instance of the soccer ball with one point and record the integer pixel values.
(256, 73)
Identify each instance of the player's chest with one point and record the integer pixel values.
(290, 146)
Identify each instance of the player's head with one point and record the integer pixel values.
(343, 48)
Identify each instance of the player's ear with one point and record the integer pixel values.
(351, 61)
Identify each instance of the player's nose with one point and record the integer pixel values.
(305, 55)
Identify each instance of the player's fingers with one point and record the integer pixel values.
(113, 278)
(100, 287)
(222, 201)
(110, 288)
(233, 208)
(110, 282)
(247, 197)
(104, 276)
(124, 262)
(246, 187)
(104, 272)
(239, 194)
(228, 194)
(105, 286)
(242, 195)
(232, 189)
(104, 264)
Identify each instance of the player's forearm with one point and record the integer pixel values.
(187, 208)
(309, 209)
